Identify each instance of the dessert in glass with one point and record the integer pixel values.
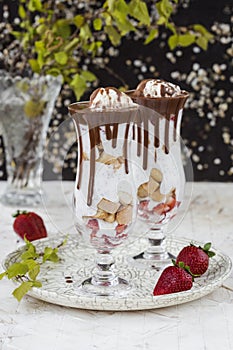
(158, 169)
(105, 201)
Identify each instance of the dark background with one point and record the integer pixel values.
(207, 128)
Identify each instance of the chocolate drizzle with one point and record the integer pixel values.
(95, 123)
(164, 108)
(141, 119)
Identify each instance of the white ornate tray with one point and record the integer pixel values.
(59, 280)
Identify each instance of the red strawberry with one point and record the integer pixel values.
(120, 228)
(93, 224)
(197, 258)
(29, 225)
(172, 280)
(161, 208)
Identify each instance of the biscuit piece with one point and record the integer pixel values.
(156, 175)
(108, 206)
(124, 217)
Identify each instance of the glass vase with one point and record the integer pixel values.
(26, 107)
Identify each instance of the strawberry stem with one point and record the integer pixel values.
(182, 265)
(206, 249)
(19, 212)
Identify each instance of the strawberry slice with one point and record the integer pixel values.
(93, 224)
(120, 228)
(143, 205)
(29, 225)
(161, 209)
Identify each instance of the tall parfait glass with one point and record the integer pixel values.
(104, 195)
(158, 170)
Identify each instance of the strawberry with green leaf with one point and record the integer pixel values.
(197, 258)
(173, 279)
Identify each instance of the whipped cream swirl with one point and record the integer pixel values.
(158, 88)
(109, 98)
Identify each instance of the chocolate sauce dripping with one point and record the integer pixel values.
(145, 144)
(166, 135)
(125, 149)
(108, 132)
(92, 136)
(178, 108)
(114, 135)
(97, 135)
(133, 132)
(81, 157)
(139, 141)
(156, 137)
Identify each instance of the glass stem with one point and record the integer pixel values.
(103, 274)
(157, 247)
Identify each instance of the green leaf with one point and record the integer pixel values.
(50, 254)
(151, 36)
(120, 9)
(61, 57)
(113, 35)
(16, 269)
(171, 27)
(162, 20)
(53, 71)
(202, 42)
(28, 268)
(78, 21)
(33, 109)
(97, 23)
(22, 12)
(108, 18)
(94, 46)
(22, 290)
(34, 5)
(34, 65)
(138, 9)
(88, 76)
(37, 284)
(3, 274)
(78, 84)
(186, 39)
(173, 41)
(31, 263)
(207, 246)
(28, 255)
(17, 35)
(62, 28)
(40, 45)
(41, 29)
(124, 25)
(85, 32)
(34, 272)
(202, 30)
(166, 8)
(109, 4)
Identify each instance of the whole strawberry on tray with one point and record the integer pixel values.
(172, 280)
(197, 258)
(29, 225)
(191, 262)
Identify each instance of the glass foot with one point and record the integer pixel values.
(159, 257)
(118, 287)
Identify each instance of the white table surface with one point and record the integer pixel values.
(206, 323)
